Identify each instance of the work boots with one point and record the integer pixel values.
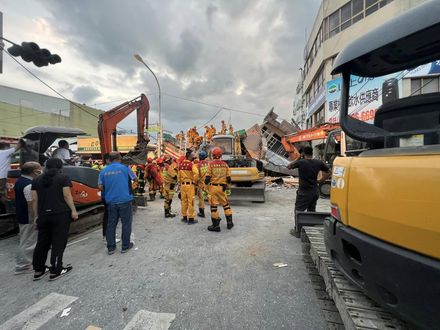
(201, 213)
(191, 221)
(215, 225)
(184, 219)
(229, 222)
(169, 214)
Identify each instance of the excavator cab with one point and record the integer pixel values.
(384, 228)
(247, 174)
(86, 195)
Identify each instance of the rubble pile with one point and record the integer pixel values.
(287, 182)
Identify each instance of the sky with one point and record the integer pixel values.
(239, 54)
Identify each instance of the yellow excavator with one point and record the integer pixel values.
(384, 228)
(247, 174)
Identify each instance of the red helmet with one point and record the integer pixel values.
(149, 160)
(160, 160)
(181, 159)
(217, 152)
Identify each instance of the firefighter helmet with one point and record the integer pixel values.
(202, 155)
(217, 152)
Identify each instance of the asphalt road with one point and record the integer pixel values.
(203, 280)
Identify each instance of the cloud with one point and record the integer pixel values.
(210, 13)
(184, 56)
(85, 94)
(242, 54)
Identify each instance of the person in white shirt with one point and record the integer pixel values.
(5, 164)
(62, 152)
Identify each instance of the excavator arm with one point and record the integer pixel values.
(315, 133)
(109, 120)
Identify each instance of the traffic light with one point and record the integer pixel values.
(31, 52)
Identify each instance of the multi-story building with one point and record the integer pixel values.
(337, 23)
(20, 110)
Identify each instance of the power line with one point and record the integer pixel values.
(212, 118)
(51, 88)
(213, 105)
(48, 86)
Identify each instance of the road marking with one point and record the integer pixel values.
(77, 241)
(145, 320)
(39, 313)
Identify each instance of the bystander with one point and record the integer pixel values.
(307, 194)
(25, 218)
(53, 207)
(115, 181)
(5, 163)
(63, 151)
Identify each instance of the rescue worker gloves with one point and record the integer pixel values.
(172, 186)
(207, 179)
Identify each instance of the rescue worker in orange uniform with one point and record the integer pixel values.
(180, 139)
(189, 137)
(202, 167)
(169, 177)
(188, 176)
(218, 180)
(213, 131)
(207, 135)
(153, 177)
(223, 129)
(161, 165)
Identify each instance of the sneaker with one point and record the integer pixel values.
(117, 240)
(110, 252)
(128, 248)
(39, 277)
(63, 272)
(23, 270)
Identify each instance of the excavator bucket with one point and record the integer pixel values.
(255, 193)
(137, 156)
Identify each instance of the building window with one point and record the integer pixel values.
(346, 16)
(425, 85)
(334, 22)
(371, 6)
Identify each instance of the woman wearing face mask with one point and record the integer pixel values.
(54, 210)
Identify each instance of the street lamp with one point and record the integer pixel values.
(159, 140)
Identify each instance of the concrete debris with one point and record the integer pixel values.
(280, 264)
(288, 182)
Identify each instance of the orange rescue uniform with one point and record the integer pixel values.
(219, 181)
(169, 177)
(202, 166)
(188, 176)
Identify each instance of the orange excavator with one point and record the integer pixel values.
(294, 142)
(109, 120)
(37, 140)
